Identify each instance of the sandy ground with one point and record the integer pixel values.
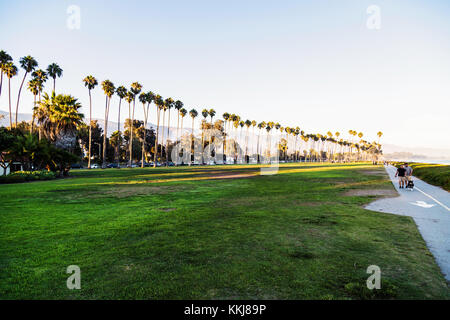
(429, 207)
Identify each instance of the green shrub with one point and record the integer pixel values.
(22, 176)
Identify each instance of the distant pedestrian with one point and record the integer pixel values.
(409, 172)
(401, 174)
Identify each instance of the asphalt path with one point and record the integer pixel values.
(429, 206)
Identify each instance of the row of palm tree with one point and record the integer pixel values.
(35, 85)
(292, 143)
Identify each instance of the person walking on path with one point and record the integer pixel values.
(401, 174)
(408, 172)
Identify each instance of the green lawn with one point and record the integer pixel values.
(192, 233)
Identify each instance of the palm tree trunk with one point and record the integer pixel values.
(18, 96)
(167, 141)
(145, 134)
(10, 114)
(131, 135)
(176, 138)
(158, 111)
(162, 138)
(54, 84)
(32, 119)
(193, 141)
(118, 138)
(105, 132)
(90, 130)
(181, 134)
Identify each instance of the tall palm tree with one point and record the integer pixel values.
(121, 92)
(205, 114)
(159, 103)
(183, 113)
(247, 123)
(226, 117)
(136, 88)
(261, 125)
(90, 82)
(253, 136)
(147, 99)
(379, 134)
(169, 104)
(4, 59)
(33, 86)
(10, 71)
(178, 106)
(27, 63)
(108, 89)
(41, 76)
(54, 71)
(193, 113)
(129, 98)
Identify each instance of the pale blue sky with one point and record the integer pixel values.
(309, 63)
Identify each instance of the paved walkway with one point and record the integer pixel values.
(429, 206)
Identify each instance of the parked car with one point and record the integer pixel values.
(112, 165)
(95, 166)
(76, 166)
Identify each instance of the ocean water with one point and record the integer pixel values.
(437, 161)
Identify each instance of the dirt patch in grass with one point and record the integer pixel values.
(301, 203)
(372, 192)
(374, 172)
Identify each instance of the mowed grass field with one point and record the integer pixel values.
(218, 232)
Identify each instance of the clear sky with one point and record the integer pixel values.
(310, 63)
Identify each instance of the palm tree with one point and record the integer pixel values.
(136, 88)
(4, 59)
(129, 99)
(159, 102)
(193, 113)
(205, 114)
(27, 63)
(33, 86)
(226, 117)
(145, 98)
(10, 71)
(379, 134)
(178, 106)
(41, 76)
(108, 89)
(247, 123)
(54, 71)
(261, 125)
(90, 82)
(253, 136)
(121, 92)
(169, 104)
(183, 113)
(59, 115)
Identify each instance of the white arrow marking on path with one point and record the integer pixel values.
(422, 204)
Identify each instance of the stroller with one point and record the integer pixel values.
(410, 184)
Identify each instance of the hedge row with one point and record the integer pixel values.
(23, 176)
